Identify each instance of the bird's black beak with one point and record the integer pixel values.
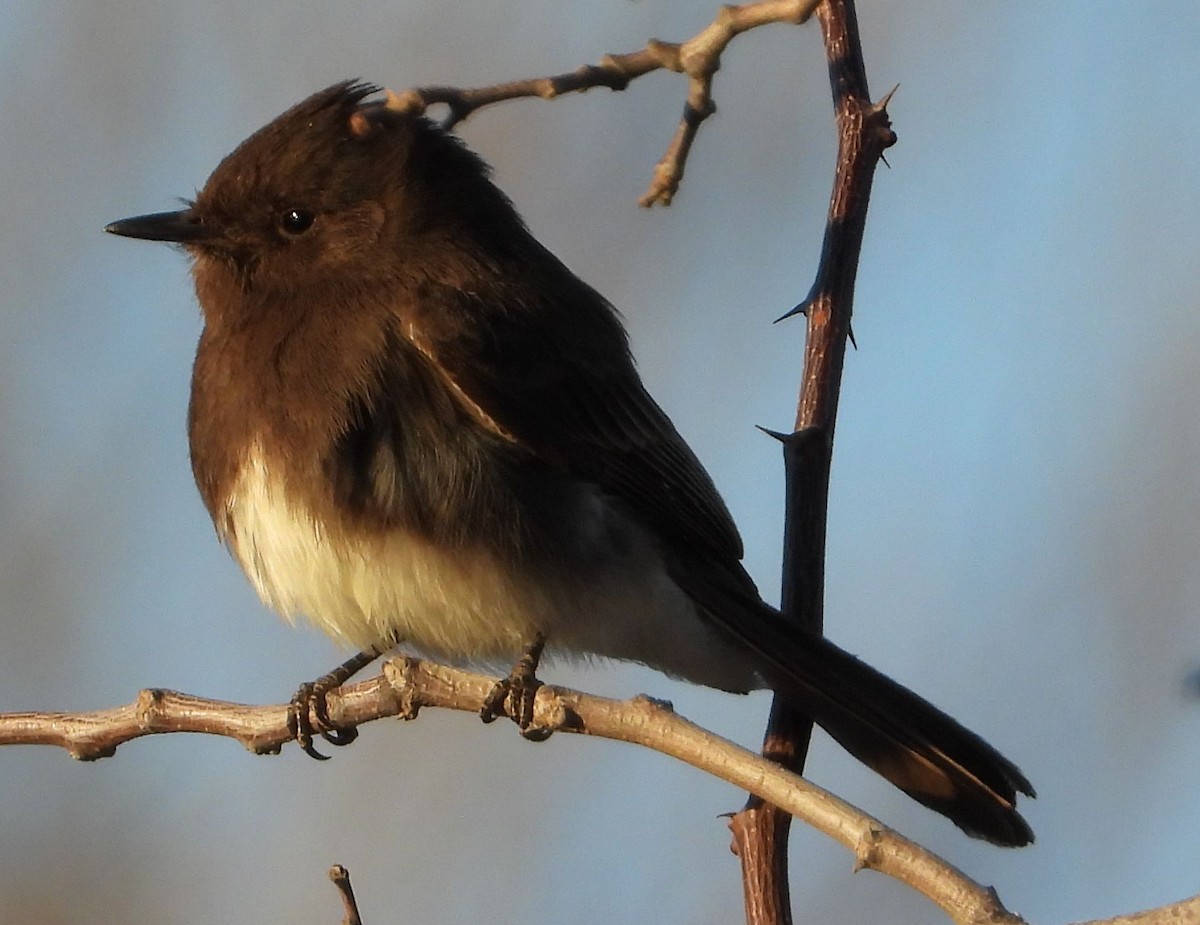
(183, 227)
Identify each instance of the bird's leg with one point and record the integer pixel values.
(309, 702)
(513, 696)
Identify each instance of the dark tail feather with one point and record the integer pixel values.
(901, 736)
(904, 738)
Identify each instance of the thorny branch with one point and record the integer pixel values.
(760, 831)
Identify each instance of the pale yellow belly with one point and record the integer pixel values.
(366, 592)
(463, 604)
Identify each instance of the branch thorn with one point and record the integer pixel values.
(778, 435)
(801, 309)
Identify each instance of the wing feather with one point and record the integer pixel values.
(559, 380)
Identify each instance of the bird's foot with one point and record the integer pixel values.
(308, 712)
(513, 696)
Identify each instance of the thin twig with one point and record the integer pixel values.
(341, 879)
(699, 58)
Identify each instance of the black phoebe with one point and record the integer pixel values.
(410, 422)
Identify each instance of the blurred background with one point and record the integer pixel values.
(1015, 514)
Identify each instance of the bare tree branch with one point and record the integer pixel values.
(408, 684)
(699, 58)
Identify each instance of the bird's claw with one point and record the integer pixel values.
(308, 713)
(514, 695)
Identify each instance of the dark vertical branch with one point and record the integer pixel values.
(761, 830)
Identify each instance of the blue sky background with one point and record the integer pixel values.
(1015, 514)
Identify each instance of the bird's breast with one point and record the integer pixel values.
(368, 587)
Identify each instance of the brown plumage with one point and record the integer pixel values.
(410, 420)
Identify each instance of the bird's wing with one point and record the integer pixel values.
(559, 381)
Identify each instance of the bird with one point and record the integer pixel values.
(411, 423)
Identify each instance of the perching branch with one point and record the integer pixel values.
(699, 58)
(408, 684)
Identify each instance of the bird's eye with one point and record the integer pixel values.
(296, 221)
